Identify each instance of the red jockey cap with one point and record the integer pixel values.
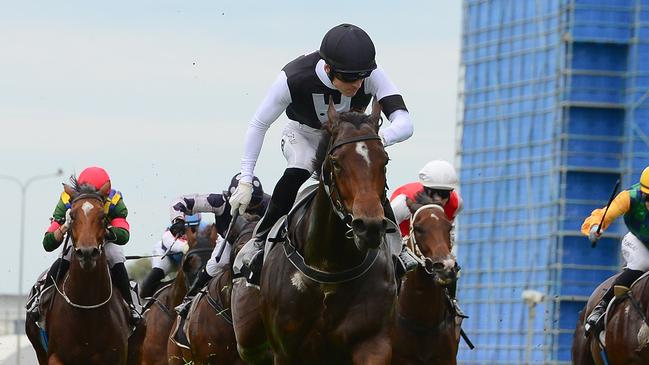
(95, 176)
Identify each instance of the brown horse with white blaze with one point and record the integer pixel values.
(427, 331)
(88, 319)
(328, 291)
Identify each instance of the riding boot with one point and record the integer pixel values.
(280, 204)
(151, 281)
(120, 278)
(595, 319)
(452, 289)
(183, 308)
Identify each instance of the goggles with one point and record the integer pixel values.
(351, 76)
(444, 194)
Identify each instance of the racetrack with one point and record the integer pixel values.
(8, 351)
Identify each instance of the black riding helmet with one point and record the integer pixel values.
(257, 190)
(349, 51)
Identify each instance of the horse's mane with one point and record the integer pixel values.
(83, 188)
(355, 117)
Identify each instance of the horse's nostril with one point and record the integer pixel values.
(438, 266)
(384, 222)
(358, 225)
(78, 252)
(95, 252)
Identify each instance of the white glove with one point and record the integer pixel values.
(68, 220)
(241, 197)
(593, 236)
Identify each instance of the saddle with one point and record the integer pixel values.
(179, 333)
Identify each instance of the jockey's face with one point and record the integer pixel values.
(645, 198)
(347, 88)
(440, 197)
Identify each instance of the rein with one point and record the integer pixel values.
(80, 306)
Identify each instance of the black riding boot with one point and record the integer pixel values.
(183, 308)
(596, 317)
(151, 281)
(120, 278)
(280, 204)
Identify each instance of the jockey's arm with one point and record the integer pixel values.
(400, 208)
(619, 206)
(119, 229)
(197, 203)
(393, 107)
(55, 232)
(275, 102)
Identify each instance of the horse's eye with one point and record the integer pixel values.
(335, 165)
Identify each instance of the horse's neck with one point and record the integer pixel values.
(422, 299)
(87, 287)
(325, 245)
(178, 289)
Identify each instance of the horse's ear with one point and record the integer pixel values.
(375, 117)
(69, 190)
(332, 116)
(105, 189)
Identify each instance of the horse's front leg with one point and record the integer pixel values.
(375, 351)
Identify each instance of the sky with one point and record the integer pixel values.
(160, 93)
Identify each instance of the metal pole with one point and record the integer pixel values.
(21, 249)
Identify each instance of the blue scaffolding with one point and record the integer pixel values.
(553, 111)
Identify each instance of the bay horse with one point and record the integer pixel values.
(160, 316)
(209, 324)
(88, 319)
(427, 330)
(626, 335)
(328, 292)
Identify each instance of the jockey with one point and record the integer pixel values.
(439, 181)
(219, 205)
(117, 235)
(633, 204)
(166, 257)
(344, 69)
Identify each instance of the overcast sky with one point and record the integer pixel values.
(160, 94)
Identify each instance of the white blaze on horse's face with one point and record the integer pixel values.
(87, 207)
(361, 149)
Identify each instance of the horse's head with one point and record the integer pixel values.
(353, 173)
(88, 229)
(430, 236)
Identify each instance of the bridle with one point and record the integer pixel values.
(61, 291)
(331, 186)
(425, 262)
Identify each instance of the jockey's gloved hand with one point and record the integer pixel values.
(177, 228)
(593, 236)
(68, 220)
(240, 199)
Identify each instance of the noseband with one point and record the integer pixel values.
(339, 207)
